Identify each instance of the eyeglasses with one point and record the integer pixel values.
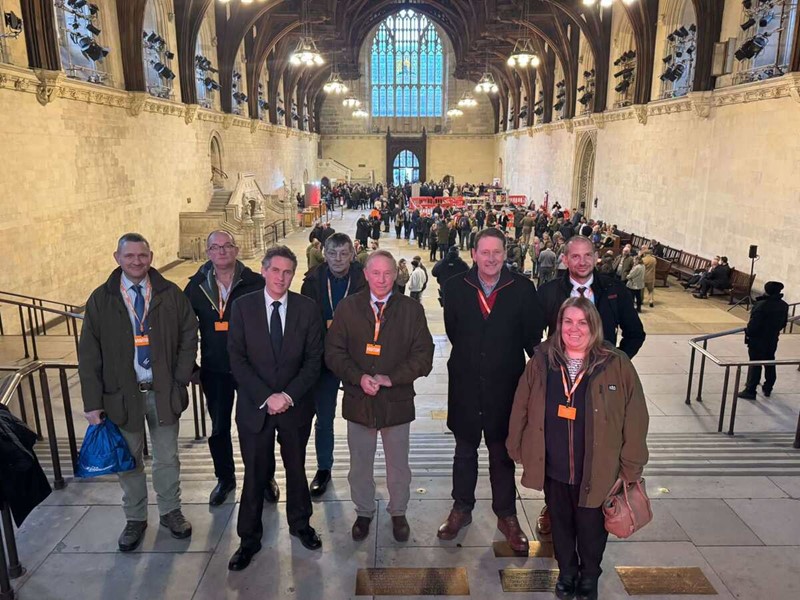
(217, 248)
(340, 254)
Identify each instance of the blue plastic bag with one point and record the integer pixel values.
(103, 452)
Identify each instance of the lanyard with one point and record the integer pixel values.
(378, 320)
(569, 392)
(148, 291)
(330, 294)
(486, 308)
(222, 303)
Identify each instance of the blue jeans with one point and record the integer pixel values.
(325, 392)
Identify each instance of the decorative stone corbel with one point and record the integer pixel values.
(701, 103)
(137, 102)
(569, 125)
(597, 119)
(48, 84)
(640, 110)
(794, 86)
(227, 121)
(190, 113)
(254, 123)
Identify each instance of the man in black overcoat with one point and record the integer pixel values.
(493, 318)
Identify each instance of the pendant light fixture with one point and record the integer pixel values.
(467, 100)
(523, 55)
(306, 52)
(487, 84)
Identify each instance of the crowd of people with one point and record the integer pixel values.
(543, 377)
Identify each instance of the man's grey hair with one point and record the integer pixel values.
(220, 232)
(283, 252)
(378, 254)
(132, 237)
(337, 240)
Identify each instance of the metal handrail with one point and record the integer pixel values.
(695, 344)
(34, 327)
(69, 305)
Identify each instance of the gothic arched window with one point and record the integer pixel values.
(406, 67)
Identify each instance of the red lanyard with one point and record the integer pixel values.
(378, 319)
(148, 291)
(569, 392)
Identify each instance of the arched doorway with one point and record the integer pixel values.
(583, 187)
(500, 175)
(405, 168)
(217, 174)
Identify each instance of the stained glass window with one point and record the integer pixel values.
(406, 54)
(405, 168)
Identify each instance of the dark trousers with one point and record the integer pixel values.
(579, 534)
(442, 250)
(258, 452)
(758, 352)
(501, 477)
(219, 390)
(637, 298)
(462, 236)
(433, 252)
(325, 391)
(416, 296)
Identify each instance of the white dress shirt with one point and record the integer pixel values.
(142, 374)
(587, 293)
(281, 311)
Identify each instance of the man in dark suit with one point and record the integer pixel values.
(275, 348)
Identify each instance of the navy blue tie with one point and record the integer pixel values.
(276, 328)
(142, 352)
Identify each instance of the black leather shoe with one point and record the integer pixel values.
(586, 589)
(132, 536)
(400, 528)
(308, 537)
(320, 482)
(565, 587)
(361, 528)
(272, 493)
(766, 390)
(746, 394)
(220, 493)
(242, 557)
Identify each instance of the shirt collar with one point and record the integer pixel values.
(373, 298)
(128, 284)
(269, 299)
(588, 284)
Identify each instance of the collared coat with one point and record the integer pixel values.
(406, 354)
(106, 350)
(613, 301)
(616, 435)
(488, 354)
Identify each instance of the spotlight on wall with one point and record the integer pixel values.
(94, 9)
(623, 86)
(92, 29)
(211, 84)
(163, 71)
(748, 24)
(586, 98)
(91, 49)
(13, 25)
(752, 47)
(240, 97)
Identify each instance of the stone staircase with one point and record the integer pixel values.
(219, 200)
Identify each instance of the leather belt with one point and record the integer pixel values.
(145, 386)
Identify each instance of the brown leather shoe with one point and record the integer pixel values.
(509, 527)
(361, 528)
(455, 521)
(543, 522)
(400, 528)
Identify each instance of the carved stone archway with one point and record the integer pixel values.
(583, 179)
(215, 154)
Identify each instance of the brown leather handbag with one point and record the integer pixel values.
(627, 508)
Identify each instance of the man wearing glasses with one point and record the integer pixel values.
(328, 284)
(211, 292)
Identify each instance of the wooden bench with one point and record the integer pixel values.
(741, 286)
(662, 271)
(624, 237)
(637, 241)
(670, 254)
(688, 264)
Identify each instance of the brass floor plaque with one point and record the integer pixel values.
(412, 582)
(535, 549)
(648, 581)
(528, 580)
(439, 415)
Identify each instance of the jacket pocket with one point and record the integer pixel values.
(115, 407)
(179, 398)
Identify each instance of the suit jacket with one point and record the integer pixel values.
(259, 373)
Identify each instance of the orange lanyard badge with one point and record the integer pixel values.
(568, 411)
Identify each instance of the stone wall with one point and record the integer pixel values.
(711, 174)
(94, 163)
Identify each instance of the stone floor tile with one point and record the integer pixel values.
(789, 484)
(663, 527)
(711, 522)
(776, 522)
(682, 486)
(136, 576)
(283, 568)
(756, 573)
(99, 529)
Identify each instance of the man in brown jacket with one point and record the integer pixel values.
(136, 355)
(378, 345)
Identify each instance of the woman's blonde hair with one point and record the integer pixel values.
(596, 351)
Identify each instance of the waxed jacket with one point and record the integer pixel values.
(106, 350)
(406, 354)
(616, 435)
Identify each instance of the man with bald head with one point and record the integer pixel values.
(211, 291)
(378, 345)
